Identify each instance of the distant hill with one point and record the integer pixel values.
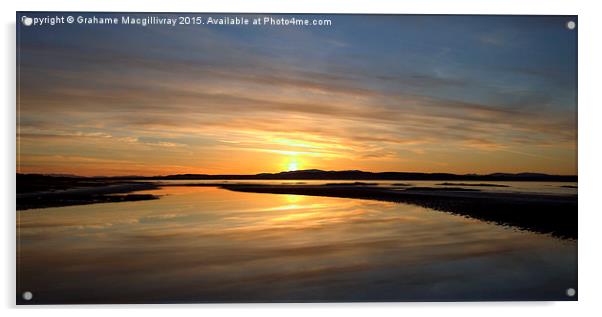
(360, 175)
(348, 175)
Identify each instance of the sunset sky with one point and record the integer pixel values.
(459, 94)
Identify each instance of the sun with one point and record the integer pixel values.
(291, 163)
(292, 166)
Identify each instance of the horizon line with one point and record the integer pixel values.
(303, 170)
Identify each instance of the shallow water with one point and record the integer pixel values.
(208, 244)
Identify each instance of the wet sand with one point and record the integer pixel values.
(551, 214)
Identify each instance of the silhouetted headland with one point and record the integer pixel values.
(361, 175)
(43, 191)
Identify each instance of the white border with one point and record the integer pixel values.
(590, 141)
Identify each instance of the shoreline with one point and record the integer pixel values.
(542, 213)
(548, 214)
(90, 194)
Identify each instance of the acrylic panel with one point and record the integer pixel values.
(224, 157)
